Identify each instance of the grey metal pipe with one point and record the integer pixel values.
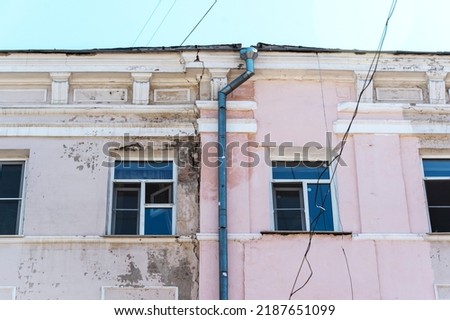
(247, 54)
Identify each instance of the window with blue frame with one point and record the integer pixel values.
(437, 187)
(143, 198)
(302, 199)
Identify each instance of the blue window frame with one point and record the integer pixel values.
(302, 199)
(11, 185)
(437, 187)
(143, 198)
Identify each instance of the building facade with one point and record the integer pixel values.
(108, 184)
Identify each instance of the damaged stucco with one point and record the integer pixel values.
(45, 269)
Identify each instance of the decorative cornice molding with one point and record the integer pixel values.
(97, 109)
(394, 108)
(133, 62)
(407, 127)
(231, 105)
(157, 62)
(233, 125)
(63, 130)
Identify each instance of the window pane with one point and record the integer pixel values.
(440, 219)
(300, 170)
(9, 213)
(158, 193)
(126, 222)
(319, 219)
(127, 199)
(290, 220)
(143, 170)
(10, 180)
(436, 167)
(438, 192)
(158, 221)
(289, 207)
(288, 198)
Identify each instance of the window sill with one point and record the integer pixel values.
(285, 233)
(437, 236)
(96, 239)
(138, 236)
(11, 236)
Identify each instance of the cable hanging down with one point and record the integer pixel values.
(369, 78)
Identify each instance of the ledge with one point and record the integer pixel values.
(389, 236)
(93, 130)
(94, 239)
(233, 125)
(376, 126)
(92, 108)
(231, 105)
(8, 236)
(231, 236)
(394, 107)
(285, 233)
(438, 236)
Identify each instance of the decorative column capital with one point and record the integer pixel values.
(60, 76)
(141, 76)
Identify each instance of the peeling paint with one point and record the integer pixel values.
(133, 275)
(87, 154)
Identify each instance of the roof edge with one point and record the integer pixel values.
(219, 47)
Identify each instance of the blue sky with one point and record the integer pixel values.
(417, 25)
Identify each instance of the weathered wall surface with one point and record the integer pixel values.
(78, 269)
(64, 253)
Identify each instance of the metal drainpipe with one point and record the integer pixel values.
(247, 54)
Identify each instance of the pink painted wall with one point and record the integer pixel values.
(376, 269)
(379, 190)
(383, 206)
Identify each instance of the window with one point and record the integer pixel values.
(437, 187)
(143, 198)
(11, 185)
(302, 197)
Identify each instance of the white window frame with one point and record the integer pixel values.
(294, 186)
(304, 183)
(142, 204)
(20, 217)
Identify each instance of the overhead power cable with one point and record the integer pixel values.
(201, 19)
(162, 21)
(148, 20)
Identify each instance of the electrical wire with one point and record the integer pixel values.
(148, 20)
(367, 81)
(201, 19)
(321, 92)
(162, 21)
